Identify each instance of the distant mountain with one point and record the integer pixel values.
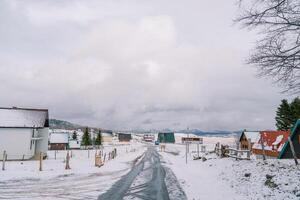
(61, 124)
(210, 133)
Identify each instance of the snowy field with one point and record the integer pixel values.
(228, 179)
(213, 179)
(23, 180)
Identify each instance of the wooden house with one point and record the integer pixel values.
(124, 137)
(247, 139)
(23, 132)
(148, 137)
(59, 141)
(270, 143)
(295, 138)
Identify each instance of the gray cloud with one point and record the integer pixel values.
(133, 64)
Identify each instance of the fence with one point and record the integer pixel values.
(225, 151)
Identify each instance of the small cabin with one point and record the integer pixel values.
(124, 137)
(247, 139)
(166, 137)
(59, 141)
(148, 137)
(270, 143)
(295, 138)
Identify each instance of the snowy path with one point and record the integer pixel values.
(147, 180)
(82, 181)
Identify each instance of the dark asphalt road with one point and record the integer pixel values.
(146, 181)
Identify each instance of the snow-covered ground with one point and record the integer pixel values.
(23, 180)
(225, 179)
(213, 179)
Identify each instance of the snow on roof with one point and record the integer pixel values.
(59, 138)
(106, 134)
(271, 139)
(252, 135)
(278, 140)
(16, 117)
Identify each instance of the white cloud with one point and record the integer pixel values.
(144, 66)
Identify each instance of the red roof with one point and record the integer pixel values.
(269, 137)
(273, 142)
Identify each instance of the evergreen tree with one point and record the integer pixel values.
(86, 139)
(74, 136)
(284, 116)
(98, 140)
(295, 110)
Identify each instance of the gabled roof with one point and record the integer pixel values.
(60, 138)
(293, 134)
(252, 135)
(271, 138)
(23, 118)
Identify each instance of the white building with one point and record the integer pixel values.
(59, 140)
(23, 132)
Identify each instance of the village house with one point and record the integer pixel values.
(107, 137)
(59, 140)
(124, 137)
(273, 142)
(295, 138)
(247, 139)
(23, 133)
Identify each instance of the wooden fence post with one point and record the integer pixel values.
(263, 146)
(41, 160)
(55, 154)
(67, 161)
(3, 160)
(293, 150)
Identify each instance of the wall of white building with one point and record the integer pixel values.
(16, 142)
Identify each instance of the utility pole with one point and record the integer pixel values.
(188, 136)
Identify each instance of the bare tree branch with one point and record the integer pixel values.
(277, 55)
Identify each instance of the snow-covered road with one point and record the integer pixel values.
(149, 180)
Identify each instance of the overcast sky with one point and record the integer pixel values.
(133, 64)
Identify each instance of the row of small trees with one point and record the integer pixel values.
(87, 140)
(287, 114)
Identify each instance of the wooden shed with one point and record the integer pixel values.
(124, 137)
(295, 138)
(247, 139)
(59, 140)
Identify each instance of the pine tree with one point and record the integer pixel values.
(86, 139)
(98, 140)
(295, 110)
(283, 116)
(74, 136)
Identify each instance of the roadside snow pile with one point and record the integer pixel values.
(228, 179)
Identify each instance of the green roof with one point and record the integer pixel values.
(293, 133)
